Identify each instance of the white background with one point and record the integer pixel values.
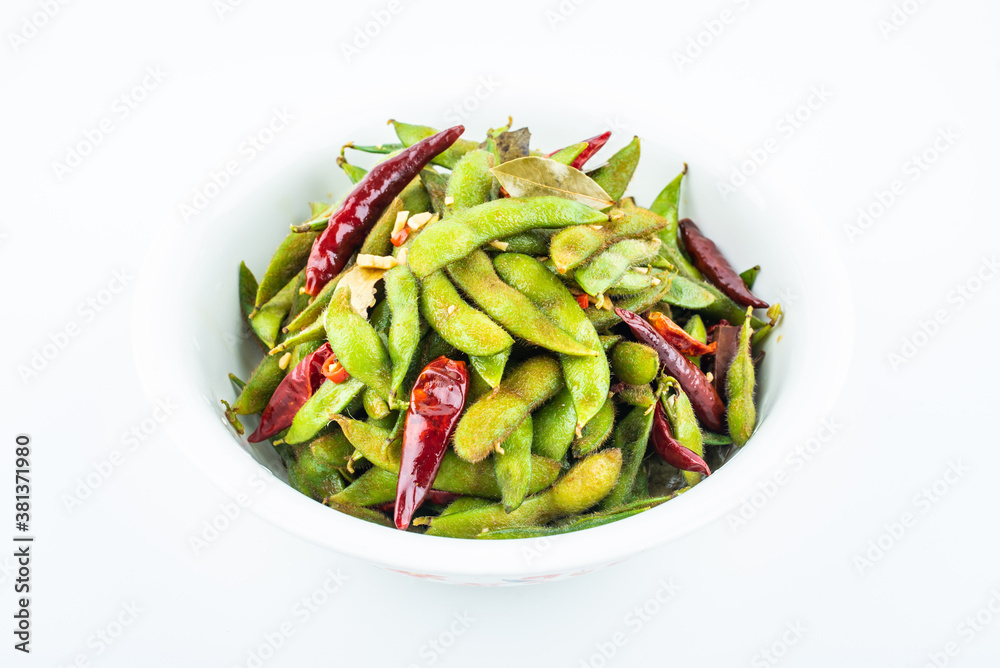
(795, 563)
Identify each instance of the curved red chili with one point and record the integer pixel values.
(351, 222)
(436, 403)
(293, 391)
(710, 261)
(704, 399)
(675, 335)
(670, 449)
(594, 145)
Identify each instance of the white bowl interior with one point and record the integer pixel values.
(189, 336)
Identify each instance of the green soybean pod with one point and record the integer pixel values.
(356, 344)
(573, 246)
(490, 367)
(597, 431)
(566, 156)
(511, 308)
(314, 332)
(640, 302)
(411, 134)
(582, 487)
(455, 237)
(248, 295)
(492, 418)
(366, 514)
(311, 313)
(353, 172)
(684, 425)
(687, 293)
(614, 177)
(375, 406)
(512, 466)
(667, 204)
(750, 276)
(695, 327)
(402, 295)
(634, 363)
(471, 181)
(266, 323)
(288, 260)
(637, 395)
(587, 378)
(609, 341)
(610, 265)
(316, 468)
(300, 352)
(554, 426)
(317, 412)
(531, 242)
(373, 487)
(463, 503)
(741, 413)
(459, 324)
(630, 437)
(262, 383)
(633, 281)
(436, 186)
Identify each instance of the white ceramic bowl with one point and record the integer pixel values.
(188, 335)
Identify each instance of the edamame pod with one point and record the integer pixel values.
(640, 302)
(614, 177)
(331, 398)
(491, 367)
(667, 204)
(266, 323)
(597, 431)
(630, 438)
(492, 418)
(572, 246)
(583, 486)
(471, 183)
(634, 363)
(684, 424)
(288, 260)
(741, 414)
(356, 344)
(459, 324)
(411, 134)
(610, 265)
(532, 242)
(511, 308)
(512, 465)
(402, 294)
(353, 172)
(554, 426)
(262, 383)
(587, 378)
(248, 295)
(455, 237)
(695, 327)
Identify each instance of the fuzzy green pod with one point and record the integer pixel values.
(573, 246)
(587, 378)
(684, 425)
(411, 134)
(512, 465)
(248, 295)
(469, 330)
(402, 295)
(695, 327)
(554, 426)
(456, 237)
(615, 176)
(630, 438)
(490, 367)
(357, 345)
(511, 308)
(266, 322)
(288, 260)
(532, 242)
(491, 419)
(634, 363)
(582, 487)
(353, 172)
(605, 319)
(262, 383)
(741, 413)
(316, 413)
(471, 183)
(597, 431)
(667, 204)
(566, 156)
(610, 265)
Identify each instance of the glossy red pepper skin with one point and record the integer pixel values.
(675, 335)
(594, 144)
(670, 449)
(436, 403)
(704, 399)
(710, 261)
(362, 207)
(293, 391)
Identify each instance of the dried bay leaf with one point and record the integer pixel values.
(362, 282)
(536, 176)
(512, 145)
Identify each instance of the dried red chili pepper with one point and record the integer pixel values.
(704, 399)
(436, 403)
(594, 145)
(710, 261)
(293, 391)
(670, 449)
(351, 222)
(675, 335)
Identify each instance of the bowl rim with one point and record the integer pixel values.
(523, 560)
